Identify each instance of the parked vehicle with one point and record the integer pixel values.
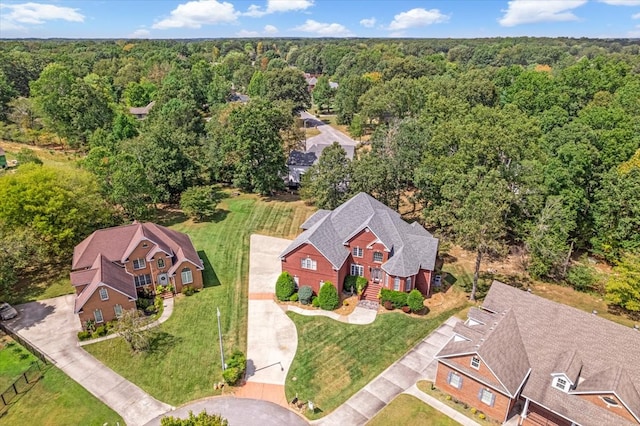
(7, 311)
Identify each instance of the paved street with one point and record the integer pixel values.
(51, 326)
(327, 133)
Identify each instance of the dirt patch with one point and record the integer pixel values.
(512, 264)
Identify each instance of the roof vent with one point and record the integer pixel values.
(529, 290)
(636, 328)
(594, 312)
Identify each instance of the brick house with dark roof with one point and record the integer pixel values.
(111, 265)
(366, 238)
(549, 363)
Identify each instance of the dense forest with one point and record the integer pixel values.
(495, 144)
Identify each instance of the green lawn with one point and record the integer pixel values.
(409, 410)
(334, 360)
(54, 400)
(185, 361)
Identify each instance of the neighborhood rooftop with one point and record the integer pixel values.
(411, 246)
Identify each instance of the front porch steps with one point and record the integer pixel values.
(372, 291)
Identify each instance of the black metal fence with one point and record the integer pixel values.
(22, 384)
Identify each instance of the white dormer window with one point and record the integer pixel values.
(475, 362)
(357, 252)
(560, 383)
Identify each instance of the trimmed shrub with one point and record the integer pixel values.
(328, 297)
(397, 298)
(294, 297)
(315, 302)
(305, 294)
(361, 283)
(101, 331)
(83, 335)
(188, 290)
(231, 375)
(415, 300)
(235, 368)
(354, 283)
(285, 286)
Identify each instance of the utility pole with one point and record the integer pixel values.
(224, 366)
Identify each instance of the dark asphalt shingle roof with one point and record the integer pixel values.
(413, 247)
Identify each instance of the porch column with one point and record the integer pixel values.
(525, 409)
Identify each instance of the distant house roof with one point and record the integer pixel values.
(411, 247)
(318, 148)
(518, 329)
(142, 111)
(299, 158)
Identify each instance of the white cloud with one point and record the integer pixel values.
(324, 29)
(530, 11)
(36, 13)
(270, 29)
(417, 17)
(274, 6)
(635, 32)
(621, 2)
(195, 14)
(140, 33)
(368, 23)
(636, 16)
(246, 33)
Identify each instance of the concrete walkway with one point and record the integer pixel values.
(358, 316)
(51, 326)
(417, 364)
(272, 339)
(239, 412)
(327, 135)
(167, 310)
(443, 408)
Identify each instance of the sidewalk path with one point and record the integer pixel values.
(417, 364)
(51, 326)
(272, 339)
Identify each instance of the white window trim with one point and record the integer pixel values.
(117, 309)
(476, 364)
(104, 291)
(407, 284)
(141, 264)
(484, 393)
(455, 380)
(396, 283)
(139, 282)
(381, 256)
(556, 383)
(160, 259)
(357, 270)
(189, 273)
(357, 252)
(95, 316)
(308, 263)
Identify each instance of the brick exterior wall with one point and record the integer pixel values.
(324, 270)
(423, 281)
(483, 371)
(195, 273)
(106, 306)
(469, 392)
(619, 410)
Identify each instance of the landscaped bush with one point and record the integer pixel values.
(328, 297)
(397, 298)
(294, 297)
(83, 335)
(354, 283)
(305, 294)
(285, 286)
(315, 302)
(231, 375)
(415, 300)
(101, 331)
(235, 368)
(188, 290)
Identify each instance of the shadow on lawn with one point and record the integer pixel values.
(210, 278)
(161, 341)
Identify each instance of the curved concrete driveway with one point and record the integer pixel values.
(327, 135)
(272, 339)
(239, 412)
(51, 326)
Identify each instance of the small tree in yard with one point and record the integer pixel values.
(200, 202)
(415, 301)
(285, 286)
(130, 326)
(202, 419)
(328, 297)
(623, 287)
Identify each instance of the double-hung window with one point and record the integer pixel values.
(454, 380)
(487, 397)
(357, 252)
(396, 283)
(118, 310)
(187, 276)
(104, 295)
(308, 263)
(357, 270)
(160, 262)
(407, 284)
(141, 280)
(97, 314)
(475, 362)
(139, 263)
(378, 256)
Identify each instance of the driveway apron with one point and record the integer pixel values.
(51, 326)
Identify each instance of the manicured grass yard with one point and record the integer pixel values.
(54, 400)
(409, 410)
(334, 360)
(184, 362)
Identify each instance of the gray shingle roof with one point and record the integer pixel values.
(319, 147)
(299, 158)
(413, 247)
(605, 355)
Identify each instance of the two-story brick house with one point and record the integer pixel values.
(551, 364)
(112, 265)
(366, 238)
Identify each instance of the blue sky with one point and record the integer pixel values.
(318, 18)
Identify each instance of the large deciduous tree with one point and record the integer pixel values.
(327, 182)
(623, 287)
(288, 84)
